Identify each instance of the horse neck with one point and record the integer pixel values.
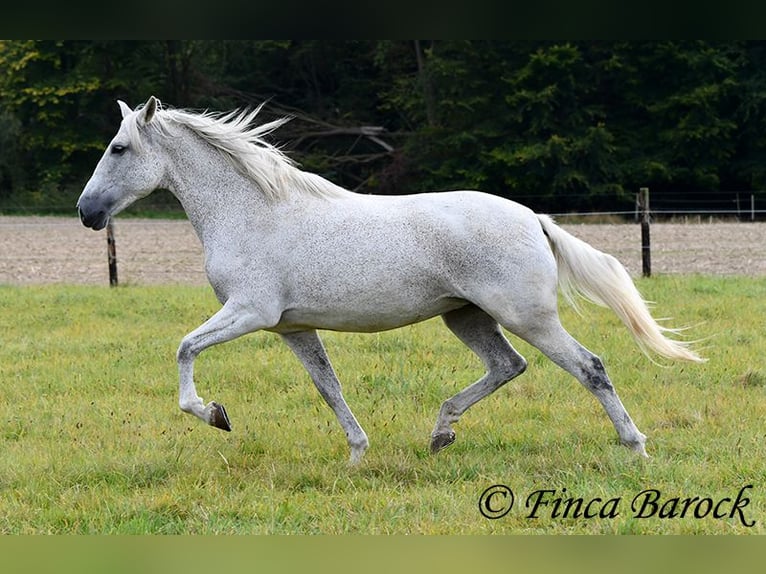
(214, 194)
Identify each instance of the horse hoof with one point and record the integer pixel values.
(218, 417)
(441, 441)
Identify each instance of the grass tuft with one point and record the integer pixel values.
(753, 378)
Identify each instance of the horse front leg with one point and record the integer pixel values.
(308, 347)
(230, 322)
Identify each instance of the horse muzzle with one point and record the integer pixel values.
(93, 216)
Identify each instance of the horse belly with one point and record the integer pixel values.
(365, 315)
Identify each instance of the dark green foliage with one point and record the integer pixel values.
(560, 126)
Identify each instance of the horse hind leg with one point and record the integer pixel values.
(482, 334)
(308, 347)
(547, 334)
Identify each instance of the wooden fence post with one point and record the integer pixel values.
(646, 251)
(111, 249)
(752, 207)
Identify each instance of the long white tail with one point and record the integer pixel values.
(600, 278)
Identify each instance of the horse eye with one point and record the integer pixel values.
(118, 149)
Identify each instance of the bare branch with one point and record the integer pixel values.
(370, 132)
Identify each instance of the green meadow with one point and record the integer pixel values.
(92, 440)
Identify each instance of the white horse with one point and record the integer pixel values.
(290, 252)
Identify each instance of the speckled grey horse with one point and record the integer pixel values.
(290, 252)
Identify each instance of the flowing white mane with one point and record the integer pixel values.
(243, 143)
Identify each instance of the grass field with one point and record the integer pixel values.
(92, 441)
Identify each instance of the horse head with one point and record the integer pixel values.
(129, 169)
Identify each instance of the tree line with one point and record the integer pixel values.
(559, 126)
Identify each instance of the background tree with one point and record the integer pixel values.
(559, 126)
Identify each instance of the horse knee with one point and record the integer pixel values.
(185, 352)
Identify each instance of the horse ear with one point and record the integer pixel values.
(124, 108)
(147, 112)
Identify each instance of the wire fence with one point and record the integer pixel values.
(741, 206)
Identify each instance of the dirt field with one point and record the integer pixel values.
(39, 250)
